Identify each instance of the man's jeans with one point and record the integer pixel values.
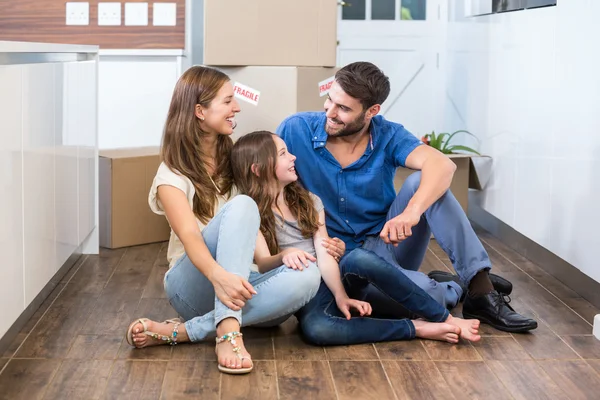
(322, 323)
(453, 232)
(281, 291)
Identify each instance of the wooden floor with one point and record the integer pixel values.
(74, 347)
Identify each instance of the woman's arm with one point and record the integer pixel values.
(231, 291)
(293, 258)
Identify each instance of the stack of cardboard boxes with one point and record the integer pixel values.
(279, 54)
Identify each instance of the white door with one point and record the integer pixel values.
(407, 50)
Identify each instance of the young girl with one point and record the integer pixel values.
(210, 283)
(292, 227)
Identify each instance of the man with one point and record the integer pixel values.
(348, 156)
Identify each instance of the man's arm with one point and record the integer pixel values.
(437, 171)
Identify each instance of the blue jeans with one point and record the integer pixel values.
(231, 237)
(322, 323)
(453, 232)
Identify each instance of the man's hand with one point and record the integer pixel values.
(296, 259)
(399, 228)
(335, 247)
(345, 304)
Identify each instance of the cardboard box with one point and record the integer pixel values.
(468, 174)
(125, 178)
(283, 91)
(270, 32)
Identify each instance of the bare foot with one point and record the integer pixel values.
(437, 331)
(140, 339)
(469, 328)
(225, 354)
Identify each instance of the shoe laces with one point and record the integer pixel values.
(503, 299)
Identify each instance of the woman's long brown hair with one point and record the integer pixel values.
(183, 145)
(259, 149)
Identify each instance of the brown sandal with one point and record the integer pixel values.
(230, 337)
(172, 340)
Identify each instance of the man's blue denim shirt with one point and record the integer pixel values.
(356, 198)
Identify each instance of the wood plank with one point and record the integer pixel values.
(192, 379)
(3, 362)
(202, 351)
(48, 17)
(26, 379)
(95, 347)
(361, 380)
(463, 351)
(39, 313)
(594, 364)
(53, 336)
(500, 348)
(472, 380)
(585, 346)
(358, 352)
(584, 308)
(135, 379)
(526, 380)
(293, 348)
(260, 348)
(80, 379)
(305, 379)
(13, 347)
(542, 343)
(260, 384)
(96, 270)
(418, 380)
(116, 307)
(409, 350)
(154, 288)
(576, 378)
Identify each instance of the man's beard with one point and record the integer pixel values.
(350, 129)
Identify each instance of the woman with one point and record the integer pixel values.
(210, 282)
(292, 227)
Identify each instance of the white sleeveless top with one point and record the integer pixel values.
(166, 176)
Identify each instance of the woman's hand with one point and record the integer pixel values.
(345, 304)
(232, 290)
(335, 247)
(296, 259)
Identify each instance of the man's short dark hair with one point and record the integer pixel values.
(364, 81)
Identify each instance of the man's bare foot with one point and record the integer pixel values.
(437, 331)
(469, 328)
(225, 354)
(140, 339)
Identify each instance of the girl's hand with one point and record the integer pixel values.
(346, 303)
(335, 247)
(232, 290)
(296, 259)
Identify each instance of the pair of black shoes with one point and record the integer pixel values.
(492, 308)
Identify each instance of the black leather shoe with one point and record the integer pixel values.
(493, 309)
(443, 276)
(500, 284)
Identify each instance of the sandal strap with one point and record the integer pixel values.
(172, 340)
(230, 337)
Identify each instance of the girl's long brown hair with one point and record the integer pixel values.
(259, 149)
(183, 146)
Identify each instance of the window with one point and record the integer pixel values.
(354, 9)
(413, 10)
(383, 9)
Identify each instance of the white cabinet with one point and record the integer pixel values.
(48, 166)
(11, 185)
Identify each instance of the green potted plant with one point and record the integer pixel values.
(442, 142)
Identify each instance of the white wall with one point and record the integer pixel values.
(528, 84)
(134, 93)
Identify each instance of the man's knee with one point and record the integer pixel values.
(412, 182)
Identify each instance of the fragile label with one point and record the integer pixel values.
(246, 93)
(325, 85)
